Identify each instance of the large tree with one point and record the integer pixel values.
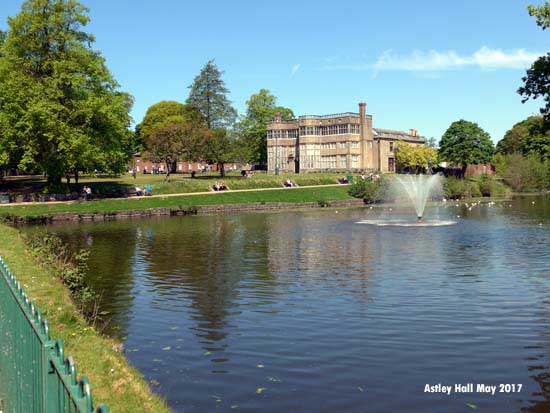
(414, 158)
(158, 113)
(465, 143)
(261, 109)
(169, 133)
(537, 80)
(60, 108)
(528, 137)
(173, 141)
(209, 96)
(217, 147)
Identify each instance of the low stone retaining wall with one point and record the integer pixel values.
(194, 210)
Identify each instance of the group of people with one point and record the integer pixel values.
(220, 186)
(247, 174)
(289, 184)
(148, 190)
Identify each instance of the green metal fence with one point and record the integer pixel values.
(35, 376)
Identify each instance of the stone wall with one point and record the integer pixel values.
(181, 211)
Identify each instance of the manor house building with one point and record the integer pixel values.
(338, 142)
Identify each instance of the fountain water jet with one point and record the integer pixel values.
(418, 188)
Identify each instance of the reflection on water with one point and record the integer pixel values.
(309, 312)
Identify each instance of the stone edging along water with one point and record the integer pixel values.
(181, 211)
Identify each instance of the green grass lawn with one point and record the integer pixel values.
(178, 183)
(284, 195)
(114, 382)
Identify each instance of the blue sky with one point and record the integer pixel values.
(421, 64)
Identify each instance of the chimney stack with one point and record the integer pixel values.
(362, 120)
(278, 117)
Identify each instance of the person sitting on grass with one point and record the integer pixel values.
(289, 184)
(139, 191)
(148, 190)
(87, 192)
(343, 180)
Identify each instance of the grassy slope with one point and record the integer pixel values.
(113, 381)
(288, 195)
(178, 183)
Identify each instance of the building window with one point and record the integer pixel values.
(391, 164)
(391, 146)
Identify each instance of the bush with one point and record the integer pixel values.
(454, 188)
(525, 173)
(368, 191)
(485, 185)
(472, 190)
(72, 269)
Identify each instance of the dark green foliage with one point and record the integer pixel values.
(72, 268)
(368, 191)
(537, 79)
(208, 95)
(530, 136)
(217, 147)
(261, 109)
(465, 143)
(60, 108)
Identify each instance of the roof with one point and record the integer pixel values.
(396, 134)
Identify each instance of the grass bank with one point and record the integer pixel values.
(114, 381)
(114, 186)
(295, 195)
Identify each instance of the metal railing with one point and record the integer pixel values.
(35, 376)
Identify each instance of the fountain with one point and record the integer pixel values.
(416, 190)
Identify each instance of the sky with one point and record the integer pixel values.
(418, 64)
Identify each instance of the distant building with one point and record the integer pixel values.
(146, 166)
(338, 142)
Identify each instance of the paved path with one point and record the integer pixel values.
(173, 195)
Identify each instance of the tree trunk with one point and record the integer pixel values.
(463, 168)
(168, 170)
(221, 166)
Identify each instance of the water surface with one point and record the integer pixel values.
(310, 312)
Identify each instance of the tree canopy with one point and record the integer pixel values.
(261, 109)
(170, 132)
(60, 107)
(465, 143)
(208, 95)
(537, 80)
(217, 147)
(158, 114)
(414, 158)
(542, 13)
(528, 137)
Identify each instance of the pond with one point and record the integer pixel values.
(310, 312)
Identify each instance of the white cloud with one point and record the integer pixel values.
(434, 61)
(295, 69)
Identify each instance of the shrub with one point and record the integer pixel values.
(525, 173)
(369, 191)
(485, 185)
(472, 190)
(72, 268)
(454, 188)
